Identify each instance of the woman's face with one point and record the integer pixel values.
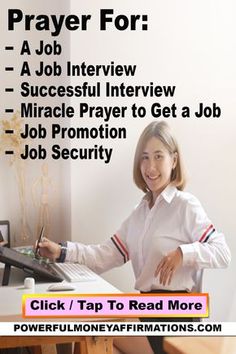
(156, 166)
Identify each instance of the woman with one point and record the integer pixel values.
(168, 237)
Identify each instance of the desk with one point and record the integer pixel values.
(11, 295)
(83, 345)
(10, 311)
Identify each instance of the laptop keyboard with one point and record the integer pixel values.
(74, 272)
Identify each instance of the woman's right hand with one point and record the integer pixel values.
(49, 249)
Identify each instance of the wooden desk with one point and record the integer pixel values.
(83, 345)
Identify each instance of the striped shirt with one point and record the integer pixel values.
(177, 219)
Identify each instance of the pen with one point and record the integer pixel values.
(39, 240)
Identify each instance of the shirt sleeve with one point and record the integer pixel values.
(102, 257)
(207, 247)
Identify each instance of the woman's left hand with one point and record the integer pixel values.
(168, 266)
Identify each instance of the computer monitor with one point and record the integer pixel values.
(5, 233)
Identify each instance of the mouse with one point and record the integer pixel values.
(60, 287)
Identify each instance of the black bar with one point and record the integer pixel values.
(9, 89)
(9, 48)
(9, 131)
(9, 152)
(6, 274)
(9, 68)
(9, 110)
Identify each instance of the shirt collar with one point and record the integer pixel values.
(167, 194)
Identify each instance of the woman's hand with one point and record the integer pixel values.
(49, 249)
(168, 266)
